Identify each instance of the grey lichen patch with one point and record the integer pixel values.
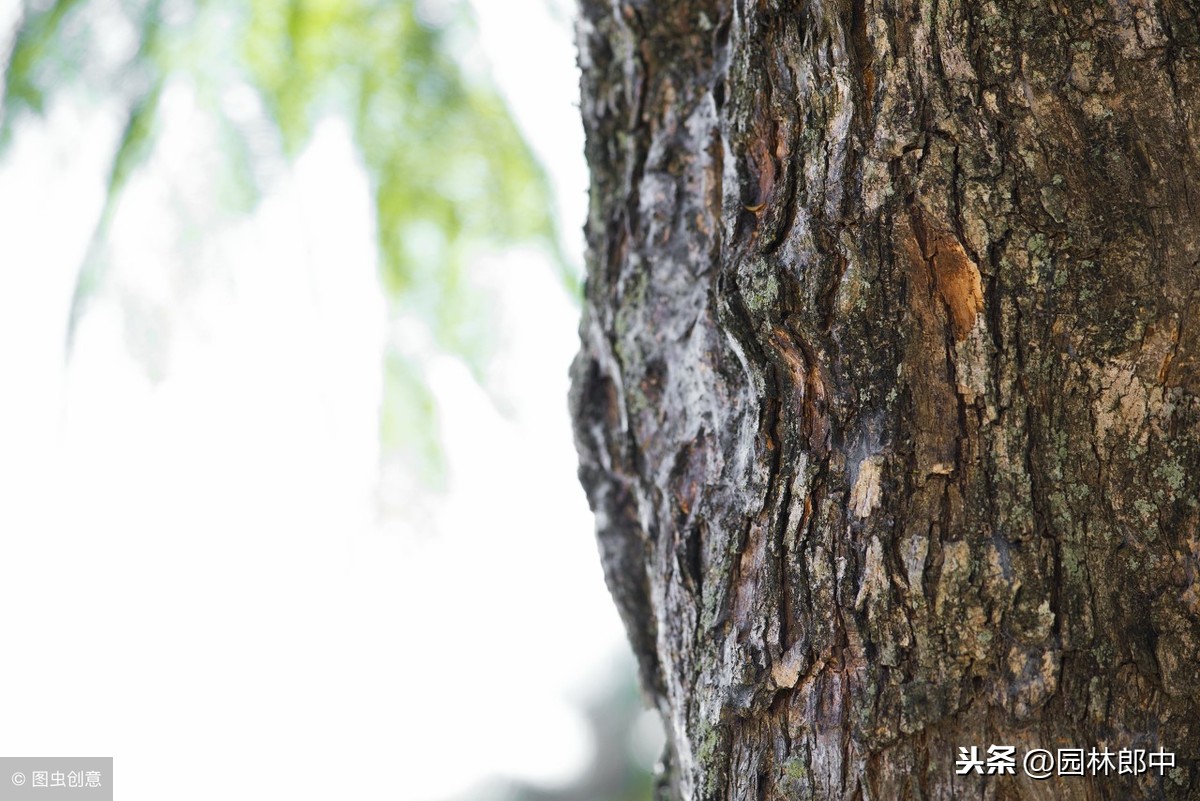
(796, 780)
(759, 285)
(709, 744)
(1171, 472)
(795, 769)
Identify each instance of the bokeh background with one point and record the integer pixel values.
(288, 507)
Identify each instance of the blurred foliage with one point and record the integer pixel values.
(450, 172)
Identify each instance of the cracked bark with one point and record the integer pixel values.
(888, 403)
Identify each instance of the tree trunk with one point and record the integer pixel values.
(889, 399)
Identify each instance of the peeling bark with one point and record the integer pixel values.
(888, 403)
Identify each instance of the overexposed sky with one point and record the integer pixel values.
(193, 575)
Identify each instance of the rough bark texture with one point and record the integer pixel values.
(889, 398)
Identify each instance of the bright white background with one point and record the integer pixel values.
(194, 574)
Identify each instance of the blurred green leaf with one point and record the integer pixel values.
(408, 421)
(450, 173)
(37, 50)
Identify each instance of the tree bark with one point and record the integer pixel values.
(888, 403)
